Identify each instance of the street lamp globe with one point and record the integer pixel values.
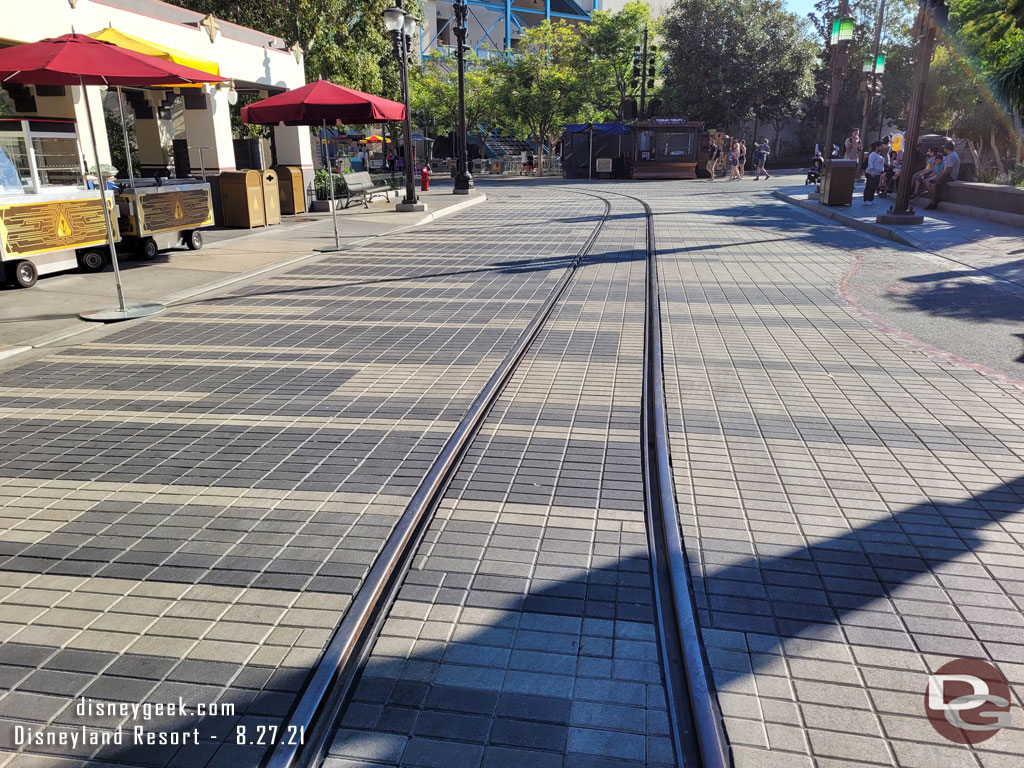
(410, 23)
(394, 19)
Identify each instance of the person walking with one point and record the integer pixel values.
(875, 166)
(763, 151)
(734, 161)
(714, 152)
(743, 157)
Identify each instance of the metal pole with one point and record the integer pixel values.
(410, 184)
(870, 83)
(330, 185)
(926, 32)
(463, 178)
(643, 80)
(103, 197)
(838, 63)
(127, 149)
(590, 163)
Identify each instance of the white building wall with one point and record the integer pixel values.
(262, 59)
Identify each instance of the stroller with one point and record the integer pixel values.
(814, 172)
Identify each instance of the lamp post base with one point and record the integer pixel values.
(130, 312)
(463, 183)
(891, 217)
(404, 207)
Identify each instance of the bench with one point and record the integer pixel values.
(359, 186)
(993, 202)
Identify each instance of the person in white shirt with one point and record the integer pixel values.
(875, 167)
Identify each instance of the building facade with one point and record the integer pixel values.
(167, 120)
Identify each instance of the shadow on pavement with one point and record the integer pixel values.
(474, 696)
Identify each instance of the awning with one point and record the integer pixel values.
(131, 43)
(610, 129)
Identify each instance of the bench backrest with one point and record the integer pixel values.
(358, 181)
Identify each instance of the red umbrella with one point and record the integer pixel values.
(320, 100)
(81, 60)
(318, 103)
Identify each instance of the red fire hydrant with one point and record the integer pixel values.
(424, 178)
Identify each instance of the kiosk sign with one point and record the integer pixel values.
(967, 701)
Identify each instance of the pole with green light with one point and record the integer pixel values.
(873, 69)
(842, 34)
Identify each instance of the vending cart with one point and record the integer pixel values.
(49, 220)
(163, 213)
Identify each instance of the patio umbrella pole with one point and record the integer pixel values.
(330, 183)
(127, 149)
(123, 311)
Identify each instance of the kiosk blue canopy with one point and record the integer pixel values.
(590, 150)
(607, 129)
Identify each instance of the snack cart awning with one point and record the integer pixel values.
(137, 44)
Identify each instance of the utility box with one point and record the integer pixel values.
(289, 181)
(837, 182)
(271, 196)
(241, 194)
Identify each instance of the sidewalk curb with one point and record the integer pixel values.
(878, 230)
(476, 199)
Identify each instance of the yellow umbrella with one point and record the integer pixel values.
(124, 40)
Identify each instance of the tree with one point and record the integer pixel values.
(539, 86)
(342, 40)
(605, 59)
(434, 93)
(719, 71)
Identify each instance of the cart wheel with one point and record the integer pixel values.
(149, 248)
(23, 274)
(194, 239)
(92, 261)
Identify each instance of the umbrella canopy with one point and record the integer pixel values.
(320, 100)
(137, 44)
(80, 60)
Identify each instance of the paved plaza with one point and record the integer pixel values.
(188, 504)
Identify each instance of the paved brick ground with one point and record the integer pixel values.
(186, 507)
(853, 505)
(524, 635)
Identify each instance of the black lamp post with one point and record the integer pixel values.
(402, 26)
(463, 178)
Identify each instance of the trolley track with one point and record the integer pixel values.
(695, 723)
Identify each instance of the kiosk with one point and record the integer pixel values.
(49, 219)
(666, 148)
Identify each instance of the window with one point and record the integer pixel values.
(675, 146)
(15, 172)
(58, 162)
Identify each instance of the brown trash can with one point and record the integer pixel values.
(289, 182)
(241, 194)
(837, 182)
(271, 196)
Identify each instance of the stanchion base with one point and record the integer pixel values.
(891, 217)
(130, 312)
(411, 207)
(329, 249)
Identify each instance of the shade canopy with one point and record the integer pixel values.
(320, 100)
(137, 44)
(81, 60)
